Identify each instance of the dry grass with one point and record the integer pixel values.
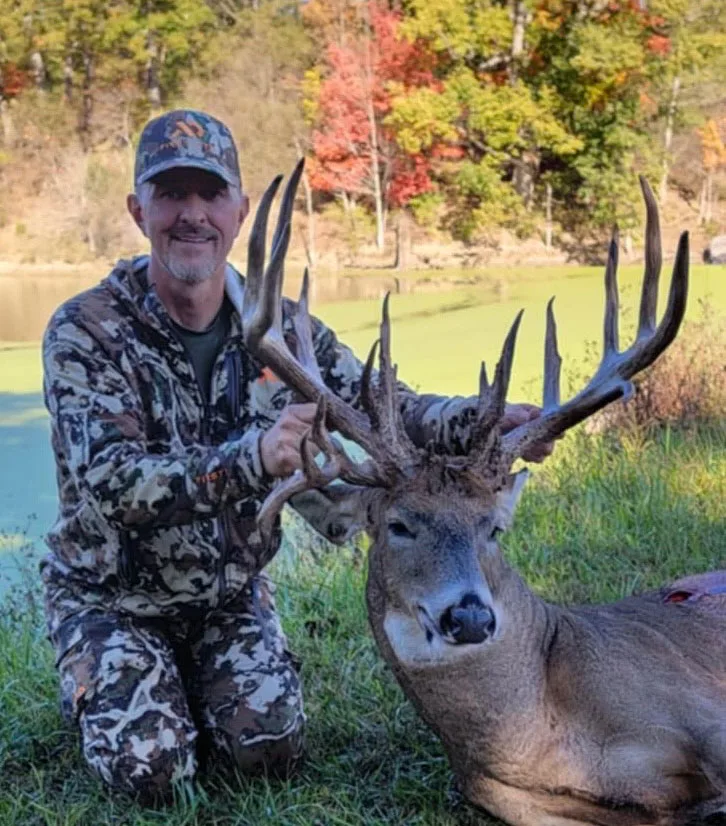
(684, 388)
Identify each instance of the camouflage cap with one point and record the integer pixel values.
(186, 137)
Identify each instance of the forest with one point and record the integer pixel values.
(458, 118)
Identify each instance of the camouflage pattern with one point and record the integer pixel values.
(159, 494)
(186, 137)
(147, 695)
(155, 551)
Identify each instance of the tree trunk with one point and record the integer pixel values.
(708, 212)
(524, 176)
(376, 177)
(403, 241)
(68, 78)
(84, 124)
(548, 216)
(375, 167)
(153, 90)
(702, 201)
(526, 168)
(37, 70)
(309, 238)
(6, 120)
(519, 15)
(668, 136)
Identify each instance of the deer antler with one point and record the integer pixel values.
(612, 379)
(379, 430)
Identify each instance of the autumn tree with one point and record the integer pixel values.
(86, 48)
(713, 151)
(356, 152)
(534, 91)
(690, 37)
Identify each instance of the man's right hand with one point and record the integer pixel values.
(280, 446)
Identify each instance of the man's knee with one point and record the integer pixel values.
(120, 683)
(275, 753)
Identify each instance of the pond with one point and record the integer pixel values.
(439, 339)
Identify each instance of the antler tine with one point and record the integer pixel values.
(288, 202)
(263, 334)
(387, 413)
(483, 385)
(610, 335)
(259, 314)
(385, 354)
(366, 391)
(653, 263)
(492, 400)
(503, 371)
(647, 350)
(337, 465)
(552, 363)
(303, 331)
(612, 379)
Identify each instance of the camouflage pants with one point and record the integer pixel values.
(148, 693)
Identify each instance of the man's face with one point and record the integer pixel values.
(191, 217)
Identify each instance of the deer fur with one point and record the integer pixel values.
(610, 715)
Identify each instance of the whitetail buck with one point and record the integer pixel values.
(550, 715)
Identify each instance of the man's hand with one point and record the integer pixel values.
(517, 414)
(280, 446)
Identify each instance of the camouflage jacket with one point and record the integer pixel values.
(159, 492)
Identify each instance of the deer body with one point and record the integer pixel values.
(610, 715)
(570, 715)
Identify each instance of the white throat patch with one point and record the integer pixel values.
(412, 646)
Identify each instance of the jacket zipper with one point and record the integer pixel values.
(233, 379)
(206, 439)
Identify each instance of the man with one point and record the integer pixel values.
(167, 436)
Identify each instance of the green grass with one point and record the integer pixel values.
(599, 520)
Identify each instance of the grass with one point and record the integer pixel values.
(599, 520)
(602, 518)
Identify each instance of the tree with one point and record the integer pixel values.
(690, 38)
(355, 149)
(714, 159)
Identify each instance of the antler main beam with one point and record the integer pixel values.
(612, 379)
(378, 430)
(262, 318)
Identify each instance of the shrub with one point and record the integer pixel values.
(685, 387)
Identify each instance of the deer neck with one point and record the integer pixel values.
(481, 695)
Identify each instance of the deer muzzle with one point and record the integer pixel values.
(469, 621)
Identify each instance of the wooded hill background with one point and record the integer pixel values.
(457, 121)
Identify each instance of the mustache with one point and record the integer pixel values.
(193, 232)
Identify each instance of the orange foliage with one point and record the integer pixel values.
(12, 80)
(712, 144)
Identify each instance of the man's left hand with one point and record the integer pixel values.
(517, 414)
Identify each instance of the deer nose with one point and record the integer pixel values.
(470, 621)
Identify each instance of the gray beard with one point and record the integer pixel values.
(189, 273)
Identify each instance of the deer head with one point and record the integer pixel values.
(433, 518)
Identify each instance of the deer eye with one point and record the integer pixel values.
(400, 530)
(489, 529)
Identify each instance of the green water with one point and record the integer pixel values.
(439, 339)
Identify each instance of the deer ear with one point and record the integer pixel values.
(337, 512)
(508, 497)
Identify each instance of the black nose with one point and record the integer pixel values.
(468, 622)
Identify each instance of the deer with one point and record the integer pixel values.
(550, 715)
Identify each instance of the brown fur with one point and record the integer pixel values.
(612, 715)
